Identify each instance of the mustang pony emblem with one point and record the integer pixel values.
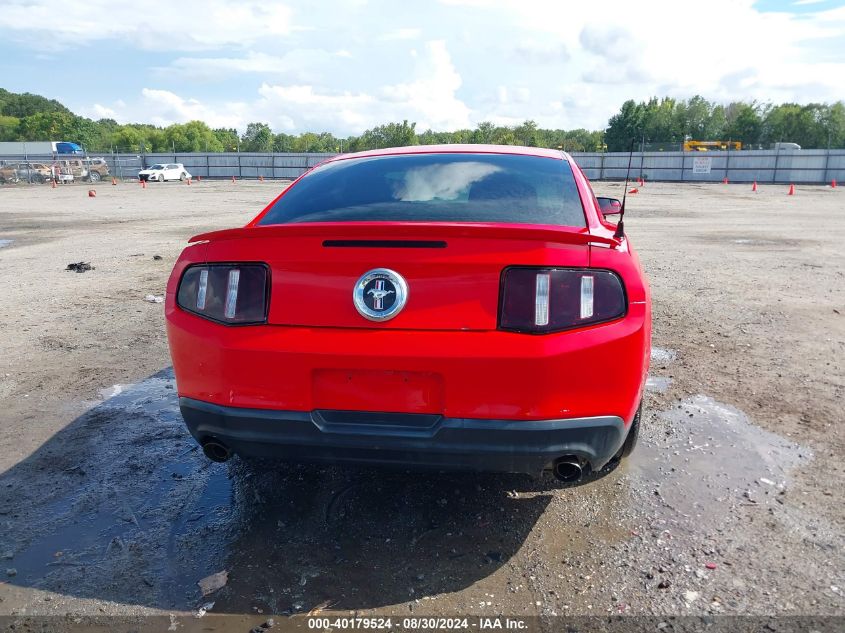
(372, 294)
(379, 293)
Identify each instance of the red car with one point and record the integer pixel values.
(457, 306)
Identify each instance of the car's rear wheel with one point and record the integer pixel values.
(38, 178)
(94, 176)
(182, 176)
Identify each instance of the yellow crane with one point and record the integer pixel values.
(711, 146)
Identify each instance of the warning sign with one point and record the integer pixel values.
(701, 164)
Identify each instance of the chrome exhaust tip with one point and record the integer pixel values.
(568, 469)
(215, 451)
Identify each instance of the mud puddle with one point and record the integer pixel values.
(712, 458)
(119, 505)
(658, 384)
(122, 507)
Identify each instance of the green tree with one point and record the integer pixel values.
(390, 135)
(283, 142)
(834, 125)
(527, 134)
(257, 138)
(227, 137)
(625, 126)
(9, 127)
(26, 104)
(743, 123)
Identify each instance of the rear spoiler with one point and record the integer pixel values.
(399, 230)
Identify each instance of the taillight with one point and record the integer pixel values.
(541, 300)
(235, 294)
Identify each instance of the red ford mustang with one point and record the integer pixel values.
(458, 306)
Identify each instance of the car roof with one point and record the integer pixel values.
(459, 148)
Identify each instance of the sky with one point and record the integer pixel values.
(344, 66)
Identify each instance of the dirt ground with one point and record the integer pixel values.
(732, 504)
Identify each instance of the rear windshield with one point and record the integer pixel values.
(435, 188)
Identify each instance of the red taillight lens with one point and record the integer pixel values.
(542, 300)
(234, 294)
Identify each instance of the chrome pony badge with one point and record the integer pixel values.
(380, 294)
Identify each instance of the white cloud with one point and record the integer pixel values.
(429, 99)
(163, 107)
(401, 34)
(300, 63)
(188, 25)
(531, 53)
(347, 66)
(102, 112)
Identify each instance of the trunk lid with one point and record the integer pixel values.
(452, 271)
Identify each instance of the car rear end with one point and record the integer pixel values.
(521, 340)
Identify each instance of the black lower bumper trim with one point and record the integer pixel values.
(405, 439)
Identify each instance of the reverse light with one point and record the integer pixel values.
(543, 300)
(233, 294)
(586, 296)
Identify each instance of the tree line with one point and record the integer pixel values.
(757, 126)
(665, 122)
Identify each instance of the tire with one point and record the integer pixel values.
(161, 178)
(182, 176)
(94, 176)
(633, 434)
(38, 178)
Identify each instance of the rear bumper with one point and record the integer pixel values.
(407, 440)
(490, 375)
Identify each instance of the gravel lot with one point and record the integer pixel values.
(733, 503)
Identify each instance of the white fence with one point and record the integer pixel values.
(785, 166)
(764, 166)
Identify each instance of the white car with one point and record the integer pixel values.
(164, 171)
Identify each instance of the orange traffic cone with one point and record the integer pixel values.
(143, 184)
(54, 184)
(92, 193)
(233, 179)
(833, 184)
(634, 190)
(754, 186)
(114, 181)
(261, 179)
(791, 190)
(188, 181)
(199, 178)
(725, 181)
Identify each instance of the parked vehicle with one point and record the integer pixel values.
(164, 171)
(457, 306)
(8, 174)
(786, 146)
(61, 172)
(98, 169)
(32, 172)
(20, 148)
(91, 169)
